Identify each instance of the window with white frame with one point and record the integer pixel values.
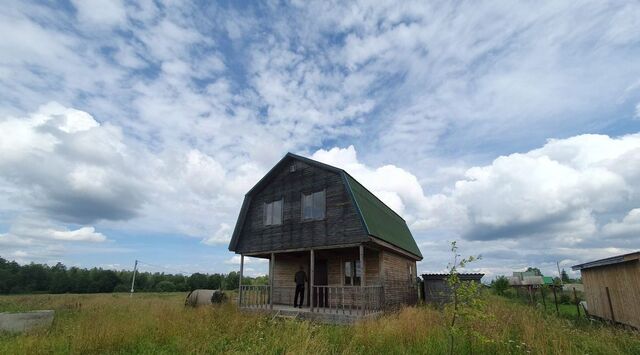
(352, 272)
(313, 205)
(273, 213)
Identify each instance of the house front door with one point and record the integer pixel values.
(320, 278)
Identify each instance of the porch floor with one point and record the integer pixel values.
(322, 314)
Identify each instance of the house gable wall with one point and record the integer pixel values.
(341, 225)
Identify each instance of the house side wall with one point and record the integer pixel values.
(399, 287)
(341, 225)
(623, 281)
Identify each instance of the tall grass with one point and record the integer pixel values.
(160, 324)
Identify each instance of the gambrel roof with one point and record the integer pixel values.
(379, 221)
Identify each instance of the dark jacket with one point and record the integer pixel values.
(300, 278)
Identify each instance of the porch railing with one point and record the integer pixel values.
(254, 296)
(354, 300)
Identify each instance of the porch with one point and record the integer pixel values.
(344, 284)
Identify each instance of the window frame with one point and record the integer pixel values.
(324, 210)
(353, 268)
(265, 207)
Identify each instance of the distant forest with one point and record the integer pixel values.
(41, 278)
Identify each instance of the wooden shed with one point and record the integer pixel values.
(612, 288)
(359, 255)
(437, 290)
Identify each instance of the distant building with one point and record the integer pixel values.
(569, 287)
(525, 278)
(437, 290)
(612, 288)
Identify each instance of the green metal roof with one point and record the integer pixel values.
(380, 220)
(548, 280)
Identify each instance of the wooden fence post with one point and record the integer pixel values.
(613, 317)
(575, 297)
(362, 276)
(311, 278)
(555, 300)
(240, 282)
(272, 266)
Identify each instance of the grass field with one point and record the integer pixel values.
(159, 323)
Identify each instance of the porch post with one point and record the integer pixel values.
(240, 280)
(362, 278)
(272, 267)
(312, 271)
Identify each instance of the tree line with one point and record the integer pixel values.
(42, 278)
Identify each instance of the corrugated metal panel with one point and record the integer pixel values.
(381, 221)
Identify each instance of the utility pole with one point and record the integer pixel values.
(133, 281)
(559, 273)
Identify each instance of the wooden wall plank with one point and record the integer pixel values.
(623, 281)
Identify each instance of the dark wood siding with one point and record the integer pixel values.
(341, 225)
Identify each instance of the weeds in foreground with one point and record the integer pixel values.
(159, 323)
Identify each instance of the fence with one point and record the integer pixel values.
(348, 299)
(254, 296)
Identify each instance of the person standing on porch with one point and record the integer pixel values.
(300, 278)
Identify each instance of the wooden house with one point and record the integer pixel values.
(612, 288)
(359, 255)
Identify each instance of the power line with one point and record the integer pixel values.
(165, 268)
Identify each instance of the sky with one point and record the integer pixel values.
(132, 130)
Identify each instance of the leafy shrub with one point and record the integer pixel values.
(121, 288)
(500, 285)
(165, 286)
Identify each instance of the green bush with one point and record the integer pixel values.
(565, 298)
(500, 285)
(165, 286)
(121, 288)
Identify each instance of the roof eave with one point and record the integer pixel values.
(608, 261)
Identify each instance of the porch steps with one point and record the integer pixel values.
(286, 314)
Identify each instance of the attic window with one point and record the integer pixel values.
(313, 205)
(292, 168)
(273, 213)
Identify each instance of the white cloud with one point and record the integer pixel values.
(235, 260)
(220, 237)
(69, 166)
(84, 234)
(558, 189)
(100, 12)
(34, 238)
(628, 227)
(544, 205)
(394, 186)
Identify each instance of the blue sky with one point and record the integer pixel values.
(131, 130)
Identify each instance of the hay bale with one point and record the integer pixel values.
(203, 297)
